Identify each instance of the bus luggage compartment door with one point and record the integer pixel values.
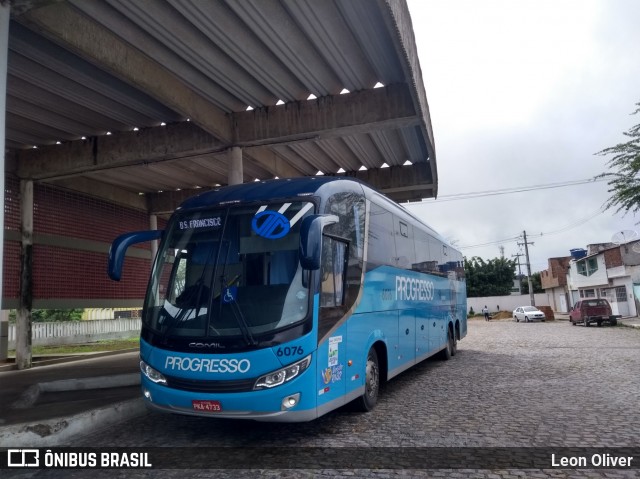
(406, 338)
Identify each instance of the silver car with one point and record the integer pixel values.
(528, 313)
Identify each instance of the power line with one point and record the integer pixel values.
(561, 230)
(579, 222)
(490, 243)
(506, 191)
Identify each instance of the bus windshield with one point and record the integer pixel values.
(229, 272)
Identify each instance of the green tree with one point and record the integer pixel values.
(624, 174)
(489, 278)
(536, 281)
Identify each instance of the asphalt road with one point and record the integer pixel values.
(512, 385)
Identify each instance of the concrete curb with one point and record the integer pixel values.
(57, 432)
(630, 325)
(66, 359)
(31, 395)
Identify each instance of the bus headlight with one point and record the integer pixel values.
(281, 376)
(152, 374)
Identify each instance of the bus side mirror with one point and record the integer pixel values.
(311, 239)
(119, 248)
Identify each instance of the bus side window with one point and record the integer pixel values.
(405, 248)
(334, 254)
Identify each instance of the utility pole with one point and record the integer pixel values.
(517, 256)
(526, 252)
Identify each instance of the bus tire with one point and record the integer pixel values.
(368, 400)
(447, 353)
(454, 344)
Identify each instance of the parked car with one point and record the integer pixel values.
(592, 310)
(528, 313)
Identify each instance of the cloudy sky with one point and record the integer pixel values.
(524, 93)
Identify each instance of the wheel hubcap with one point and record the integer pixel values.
(372, 378)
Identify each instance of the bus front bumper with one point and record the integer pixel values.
(232, 405)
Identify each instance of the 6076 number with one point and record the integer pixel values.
(289, 351)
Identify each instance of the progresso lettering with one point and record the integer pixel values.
(412, 289)
(207, 365)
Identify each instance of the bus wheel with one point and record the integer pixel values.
(368, 400)
(447, 352)
(454, 345)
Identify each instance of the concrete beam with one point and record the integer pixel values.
(400, 183)
(163, 204)
(148, 145)
(104, 191)
(400, 23)
(327, 117)
(65, 25)
(275, 164)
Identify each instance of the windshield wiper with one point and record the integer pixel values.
(242, 322)
(231, 301)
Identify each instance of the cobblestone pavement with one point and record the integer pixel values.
(544, 385)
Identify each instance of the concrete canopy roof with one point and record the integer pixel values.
(122, 98)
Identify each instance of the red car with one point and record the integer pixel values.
(592, 310)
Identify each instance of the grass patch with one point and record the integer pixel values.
(98, 346)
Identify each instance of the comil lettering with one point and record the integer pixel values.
(412, 289)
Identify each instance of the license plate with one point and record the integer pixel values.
(205, 405)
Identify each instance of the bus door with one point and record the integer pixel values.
(332, 357)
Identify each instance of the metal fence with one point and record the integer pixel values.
(78, 332)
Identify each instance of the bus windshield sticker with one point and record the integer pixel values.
(229, 295)
(201, 223)
(333, 350)
(274, 224)
(270, 224)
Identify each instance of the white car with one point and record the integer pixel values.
(528, 313)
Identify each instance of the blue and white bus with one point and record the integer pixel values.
(282, 300)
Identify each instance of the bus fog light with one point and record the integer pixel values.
(147, 394)
(290, 401)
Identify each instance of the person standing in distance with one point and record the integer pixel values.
(485, 311)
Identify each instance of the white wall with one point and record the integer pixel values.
(506, 303)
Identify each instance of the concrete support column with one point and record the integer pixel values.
(153, 224)
(23, 319)
(236, 175)
(4, 53)
(4, 335)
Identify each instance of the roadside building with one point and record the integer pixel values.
(554, 283)
(603, 270)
